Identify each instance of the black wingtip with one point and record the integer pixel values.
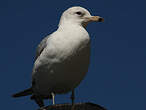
(23, 93)
(15, 95)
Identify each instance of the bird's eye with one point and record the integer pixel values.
(79, 13)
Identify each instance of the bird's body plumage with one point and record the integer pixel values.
(63, 62)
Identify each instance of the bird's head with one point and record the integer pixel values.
(78, 15)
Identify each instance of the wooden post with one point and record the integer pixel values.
(78, 106)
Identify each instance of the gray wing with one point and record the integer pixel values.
(39, 50)
(41, 47)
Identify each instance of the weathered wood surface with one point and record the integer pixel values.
(78, 106)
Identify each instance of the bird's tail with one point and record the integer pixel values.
(23, 93)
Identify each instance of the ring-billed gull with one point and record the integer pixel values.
(62, 58)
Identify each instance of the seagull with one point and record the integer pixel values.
(62, 58)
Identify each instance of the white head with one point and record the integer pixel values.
(79, 16)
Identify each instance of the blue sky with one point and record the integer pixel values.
(117, 73)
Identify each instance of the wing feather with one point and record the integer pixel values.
(41, 47)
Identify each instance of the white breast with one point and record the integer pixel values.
(67, 42)
(64, 62)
